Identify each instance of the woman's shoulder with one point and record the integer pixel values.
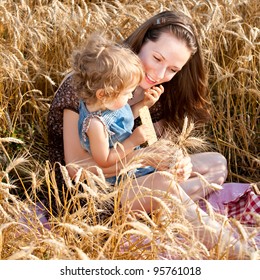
(65, 96)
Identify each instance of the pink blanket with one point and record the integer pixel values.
(236, 200)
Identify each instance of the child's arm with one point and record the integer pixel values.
(150, 97)
(99, 144)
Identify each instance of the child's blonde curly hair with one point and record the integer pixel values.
(103, 64)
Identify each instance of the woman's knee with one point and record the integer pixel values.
(221, 164)
(147, 190)
(209, 162)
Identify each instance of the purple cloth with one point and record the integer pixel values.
(229, 193)
(41, 214)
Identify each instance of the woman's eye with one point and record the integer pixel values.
(174, 71)
(157, 58)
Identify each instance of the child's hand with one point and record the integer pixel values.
(139, 135)
(152, 95)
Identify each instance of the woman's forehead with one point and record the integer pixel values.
(170, 48)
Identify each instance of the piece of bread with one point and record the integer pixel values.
(146, 120)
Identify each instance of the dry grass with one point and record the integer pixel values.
(36, 40)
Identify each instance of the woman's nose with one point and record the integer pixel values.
(160, 73)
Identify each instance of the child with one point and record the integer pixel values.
(105, 75)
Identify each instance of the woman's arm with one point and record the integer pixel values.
(74, 154)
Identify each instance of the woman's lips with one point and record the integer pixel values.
(149, 80)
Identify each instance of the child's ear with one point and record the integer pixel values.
(100, 94)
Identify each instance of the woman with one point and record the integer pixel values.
(179, 68)
(170, 53)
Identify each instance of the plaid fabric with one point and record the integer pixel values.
(244, 207)
(237, 201)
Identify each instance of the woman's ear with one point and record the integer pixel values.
(100, 94)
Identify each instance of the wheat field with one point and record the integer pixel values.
(36, 41)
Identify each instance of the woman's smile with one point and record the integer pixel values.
(150, 80)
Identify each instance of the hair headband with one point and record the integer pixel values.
(163, 21)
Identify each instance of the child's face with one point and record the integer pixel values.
(120, 101)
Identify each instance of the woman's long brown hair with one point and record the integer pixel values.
(187, 93)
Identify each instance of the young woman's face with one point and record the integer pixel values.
(162, 59)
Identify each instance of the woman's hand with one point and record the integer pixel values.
(182, 169)
(152, 95)
(165, 157)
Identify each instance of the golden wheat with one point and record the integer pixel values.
(36, 41)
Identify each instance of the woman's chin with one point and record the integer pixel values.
(145, 85)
